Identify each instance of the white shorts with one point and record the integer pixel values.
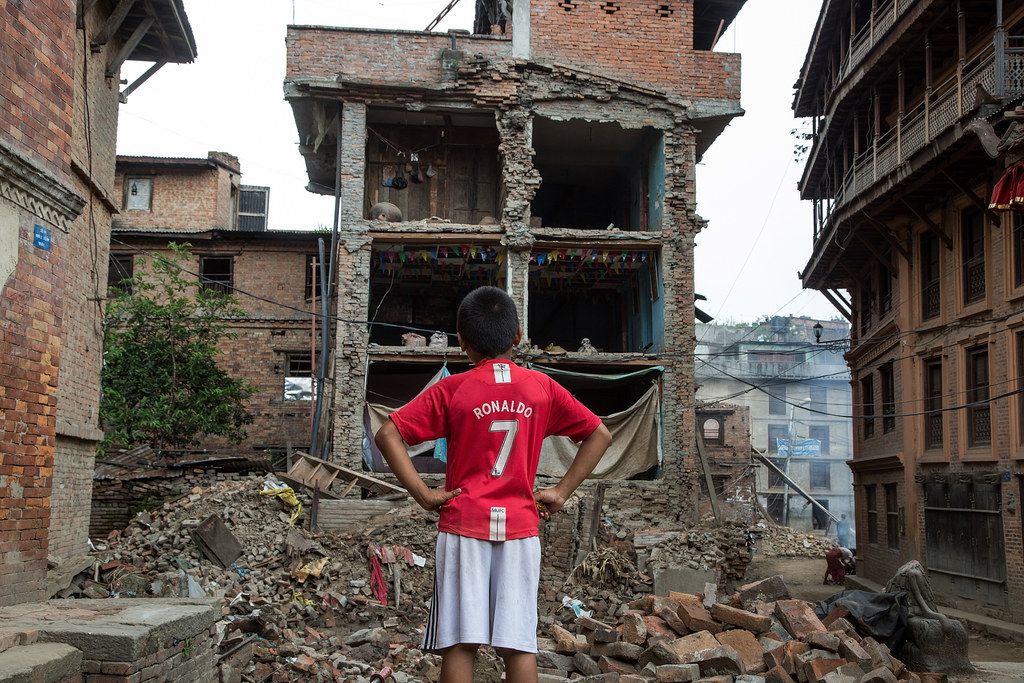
(485, 592)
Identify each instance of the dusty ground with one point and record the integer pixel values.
(804, 575)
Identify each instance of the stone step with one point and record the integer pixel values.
(40, 663)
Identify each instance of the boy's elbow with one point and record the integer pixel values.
(604, 437)
(383, 434)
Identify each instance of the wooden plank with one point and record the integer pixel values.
(305, 465)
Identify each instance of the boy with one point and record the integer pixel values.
(495, 416)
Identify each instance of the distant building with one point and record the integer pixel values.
(203, 203)
(915, 121)
(798, 393)
(725, 431)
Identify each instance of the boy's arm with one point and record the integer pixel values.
(391, 446)
(590, 452)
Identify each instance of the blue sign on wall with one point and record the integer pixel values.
(42, 238)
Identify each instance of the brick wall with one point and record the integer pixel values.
(280, 322)
(636, 43)
(370, 55)
(78, 391)
(38, 44)
(71, 497)
(30, 314)
(189, 199)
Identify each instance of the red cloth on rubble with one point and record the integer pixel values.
(834, 560)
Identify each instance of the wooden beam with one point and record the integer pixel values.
(113, 24)
(123, 95)
(878, 253)
(707, 475)
(946, 240)
(129, 47)
(839, 295)
(975, 199)
(842, 310)
(884, 232)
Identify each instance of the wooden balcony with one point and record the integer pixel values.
(944, 107)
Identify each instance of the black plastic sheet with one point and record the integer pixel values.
(882, 616)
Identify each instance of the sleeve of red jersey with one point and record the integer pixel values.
(423, 418)
(569, 417)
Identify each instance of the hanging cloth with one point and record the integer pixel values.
(1008, 193)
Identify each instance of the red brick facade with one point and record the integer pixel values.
(58, 126)
(188, 195)
(36, 91)
(935, 290)
(35, 111)
(642, 43)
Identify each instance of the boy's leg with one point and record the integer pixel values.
(457, 663)
(520, 667)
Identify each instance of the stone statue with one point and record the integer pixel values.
(934, 641)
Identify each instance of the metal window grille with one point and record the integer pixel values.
(253, 206)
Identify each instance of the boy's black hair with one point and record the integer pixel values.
(488, 321)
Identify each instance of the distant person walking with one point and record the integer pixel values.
(843, 531)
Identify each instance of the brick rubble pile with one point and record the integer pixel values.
(302, 606)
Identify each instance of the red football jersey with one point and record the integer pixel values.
(495, 417)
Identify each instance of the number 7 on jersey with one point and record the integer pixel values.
(510, 427)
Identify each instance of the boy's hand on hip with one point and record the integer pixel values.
(552, 499)
(432, 499)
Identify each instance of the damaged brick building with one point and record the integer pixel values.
(914, 111)
(273, 274)
(59, 96)
(550, 152)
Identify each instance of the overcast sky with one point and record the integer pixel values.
(230, 99)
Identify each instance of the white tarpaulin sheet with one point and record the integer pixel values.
(636, 442)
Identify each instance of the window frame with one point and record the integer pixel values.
(887, 382)
(124, 284)
(867, 405)
(931, 258)
(1017, 251)
(824, 431)
(213, 284)
(772, 444)
(871, 509)
(972, 255)
(289, 360)
(777, 399)
(718, 440)
(885, 288)
(819, 397)
(932, 395)
(977, 389)
(819, 477)
(135, 178)
(1017, 346)
(892, 516)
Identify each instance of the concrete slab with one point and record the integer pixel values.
(682, 579)
(40, 663)
(122, 630)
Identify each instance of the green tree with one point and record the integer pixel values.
(161, 383)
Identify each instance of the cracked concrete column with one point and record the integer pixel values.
(521, 180)
(352, 271)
